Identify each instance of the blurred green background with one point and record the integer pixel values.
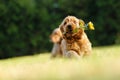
(25, 25)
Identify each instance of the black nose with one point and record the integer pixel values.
(69, 27)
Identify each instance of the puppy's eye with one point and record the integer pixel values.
(74, 22)
(56, 33)
(65, 23)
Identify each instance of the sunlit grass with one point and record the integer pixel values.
(103, 64)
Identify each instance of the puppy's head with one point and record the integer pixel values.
(56, 36)
(69, 24)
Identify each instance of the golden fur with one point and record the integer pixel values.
(74, 44)
(56, 38)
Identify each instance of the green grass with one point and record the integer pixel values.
(103, 64)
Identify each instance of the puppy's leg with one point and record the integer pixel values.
(72, 54)
(55, 50)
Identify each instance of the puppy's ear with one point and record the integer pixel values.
(61, 28)
(81, 22)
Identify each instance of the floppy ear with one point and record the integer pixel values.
(61, 28)
(81, 22)
(60, 33)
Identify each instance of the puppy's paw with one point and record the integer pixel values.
(72, 54)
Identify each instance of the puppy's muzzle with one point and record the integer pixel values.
(69, 28)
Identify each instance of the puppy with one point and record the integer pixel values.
(56, 38)
(74, 44)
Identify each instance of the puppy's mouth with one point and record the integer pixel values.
(69, 29)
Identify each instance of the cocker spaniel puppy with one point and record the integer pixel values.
(74, 44)
(56, 38)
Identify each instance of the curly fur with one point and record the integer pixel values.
(74, 43)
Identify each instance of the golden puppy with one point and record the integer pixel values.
(74, 44)
(56, 38)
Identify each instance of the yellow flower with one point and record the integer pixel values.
(88, 26)
(91, 26)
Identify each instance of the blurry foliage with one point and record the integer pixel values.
(25, 25)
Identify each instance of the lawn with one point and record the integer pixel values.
(103, 64)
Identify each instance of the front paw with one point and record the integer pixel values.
(72, 54)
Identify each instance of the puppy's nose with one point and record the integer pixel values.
(69, 27)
